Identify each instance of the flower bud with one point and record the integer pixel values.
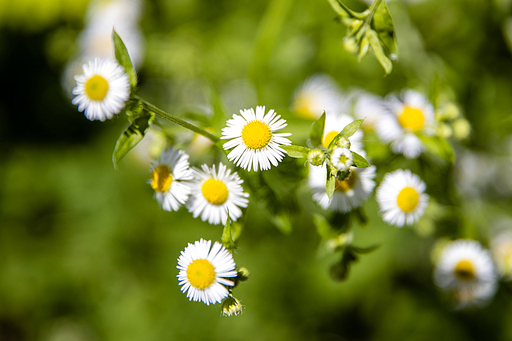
(444, 130)
(343, 143)
(231, 306)
(350, 44)
(316, 157)
(243, 274)
(461, 128)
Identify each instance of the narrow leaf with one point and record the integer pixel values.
(359, 161)
(130, 137)
(383, 24)
(331, 182)
(227, 238)
(349, 130)
(317, 131)
(376, 46)
(435, 89)
(296, 151)
(344, 11)
(124, 59)
(283, 223)
(322, 226)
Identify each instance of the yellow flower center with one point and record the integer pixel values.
(201, 273)
(329, 137)
(161, 178)
(256, 135)
(408, 199)
(96, 88)
(302, 105)
(411, 119)
(347, 184)
(215, 191)
(464, 270)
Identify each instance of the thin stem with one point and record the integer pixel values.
(373, 8)
(177, 120)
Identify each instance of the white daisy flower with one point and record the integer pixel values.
(349, 193)
(466, 269)
(217, 194)
(102, 90)
(501, 248)
(253, 137)
(317, 94)
(369, 107)
(334, 124)
(341, 159)
(401, 198)
(169, 176)
(406, 116)
(204, 273)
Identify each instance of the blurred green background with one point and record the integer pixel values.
(85, 252)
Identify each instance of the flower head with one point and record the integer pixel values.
(406, 115)
(501, 248)
(317, 94)
(169, 176)
(204, 272)
(252, 135)
(348, 194)
(466, 269)
(102, 90)
(215, 195)
(341, 159)
(401, 198)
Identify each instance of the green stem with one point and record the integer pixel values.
(373, 8)
(176, 120)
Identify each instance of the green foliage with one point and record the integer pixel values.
(317, 131)
(370, 28)
(124, 59)
(131, 136)
(296, 151)
(438, 146)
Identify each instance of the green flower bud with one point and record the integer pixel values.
(316, 157)
(449, 111)
(231, 306)
(461, 129)
(444, 130)
(243, 274)
(343, 143)
(350, 44)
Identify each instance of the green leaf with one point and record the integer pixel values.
(383, 24)
(322, 226)
(317, 131)
(438, 146)
(130, 137)
(282, 222)
(359, 161)
(435, 89)
(218, 120)
(364, 250)
(296, 151)
(349, 130)
(340, 270)
(331, 182)
(376, 46)
(361, 216)
(124, 59)
(227, 236)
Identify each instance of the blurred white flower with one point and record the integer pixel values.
(406, 116)
(317, 94)
(466, 270)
